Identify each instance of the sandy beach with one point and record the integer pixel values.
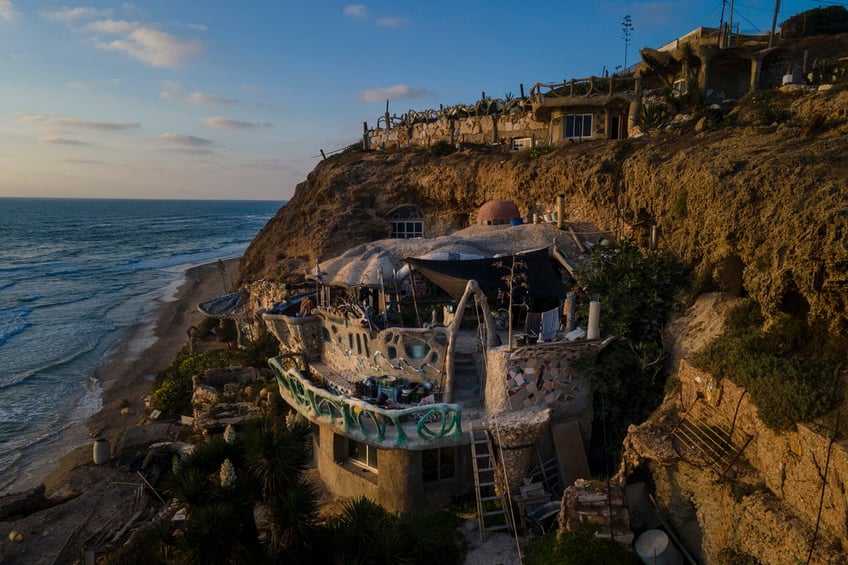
(99, 495)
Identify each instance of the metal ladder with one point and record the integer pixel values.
(492, 511)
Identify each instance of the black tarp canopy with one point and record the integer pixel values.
(542, 280)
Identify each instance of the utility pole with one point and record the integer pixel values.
(730, 24)
(721, 24)
(626, 30)
(774, 22)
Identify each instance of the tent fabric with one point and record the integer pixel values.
(542, 281)
(228, 307)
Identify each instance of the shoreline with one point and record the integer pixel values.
(128, 374)
(87, 497)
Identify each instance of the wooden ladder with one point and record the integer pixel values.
(492, 511)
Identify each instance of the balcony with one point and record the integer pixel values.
(415, 427)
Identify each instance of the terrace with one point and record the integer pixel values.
(396, 422)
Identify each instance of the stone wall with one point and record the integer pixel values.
(483, 130)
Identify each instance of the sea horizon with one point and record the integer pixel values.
(78, 276)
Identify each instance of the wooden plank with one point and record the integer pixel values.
(570, 451)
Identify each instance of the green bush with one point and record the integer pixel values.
(638, 290)
(173, 391)
(789, 367)
(539, 150)
(579, 547)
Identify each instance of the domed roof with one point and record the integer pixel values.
(497, 212)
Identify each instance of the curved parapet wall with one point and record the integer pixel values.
(300, 335)
(414, 354)
(418, 427)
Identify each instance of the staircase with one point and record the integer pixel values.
(492, 508)
(467, 380)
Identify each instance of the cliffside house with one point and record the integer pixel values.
(446, 402)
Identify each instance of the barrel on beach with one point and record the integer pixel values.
(102, 453)
(654, 548)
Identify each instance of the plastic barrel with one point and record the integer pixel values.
(101, 452)
(654, 548)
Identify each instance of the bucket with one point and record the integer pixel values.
(516, 222)
(654, 548)
(101, 452)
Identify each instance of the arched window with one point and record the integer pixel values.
(407, 222)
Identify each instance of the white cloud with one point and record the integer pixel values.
(201, 98)
(69, 15)
(356, 11)
(156, 48)
(76, 85)
(397, 92)
(116, 27)
(198, 27)
(75, 123)
(217, 122)
(190, 144)
(55, 140)
(7, 10)
(393, 22)
(171, 89)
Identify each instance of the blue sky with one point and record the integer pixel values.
(235, 99)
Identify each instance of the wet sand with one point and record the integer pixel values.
(104, 493)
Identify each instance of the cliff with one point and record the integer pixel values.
(756, 209)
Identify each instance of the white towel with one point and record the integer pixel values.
(550, 324)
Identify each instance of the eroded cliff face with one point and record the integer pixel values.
(782, 500)
(759, 209)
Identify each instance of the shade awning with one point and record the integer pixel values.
(537, 273)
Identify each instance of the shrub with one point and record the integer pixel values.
(638, 291)
(539, 150)
(442, 148)
(579, 547)
(789, 368)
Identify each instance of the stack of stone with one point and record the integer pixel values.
(599, 504)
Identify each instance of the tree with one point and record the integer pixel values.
(626, 31)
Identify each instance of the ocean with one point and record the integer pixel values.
(75, 276)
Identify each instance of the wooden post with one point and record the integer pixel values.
(521, 86)
(366, 141)
(322, 155)
(414, 299)
(560, 211)
(655, 231)
(568, 306)
(388, 122)
(576, 240)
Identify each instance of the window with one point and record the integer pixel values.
(438, 464)
(362, 454)
(407, 222)
(578, 125)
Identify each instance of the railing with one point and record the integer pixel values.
(582, 87)
(484, 107)
(417, 427)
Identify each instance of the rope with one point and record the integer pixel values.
(824, 487)
(509, 497)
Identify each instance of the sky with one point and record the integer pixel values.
(236, 99)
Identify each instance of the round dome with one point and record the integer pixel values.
(497, 212)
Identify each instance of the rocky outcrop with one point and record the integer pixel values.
(781, 501)
(759, 209)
